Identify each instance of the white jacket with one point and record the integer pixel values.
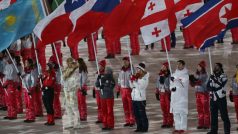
(139, 88)
(179, 98)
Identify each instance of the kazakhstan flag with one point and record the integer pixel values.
(19, 20)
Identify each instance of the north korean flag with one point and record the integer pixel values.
(211, 21)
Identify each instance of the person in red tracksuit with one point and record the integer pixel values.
(234, 92)
(49, 80)
(18, 84)
(162, 88)
(82, 91)
(38, 93)
(107, 85)
(9, 75)
(199, 81)
(124, 89)
(29, 83)
(90, 40)
(134, 41)
(97, 90)
(187, 39)
(3, 105)
(57, 88)
(234, 33)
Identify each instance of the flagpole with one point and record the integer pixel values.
(129, 54)
(17, 71)
(37, 59)
(210, 59)
(57, 58)
(95, 53)
(167, 54)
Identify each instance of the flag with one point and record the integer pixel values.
(6, 3)
(211, 21)
(124, 19)
(90, 21)
(159, 20)
(55, 4)
(57, 25)
(184, 10)
(18, 20)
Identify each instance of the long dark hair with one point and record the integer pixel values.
(203, 71)
(82, 66)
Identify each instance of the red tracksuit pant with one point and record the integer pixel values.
(127, 105)
(110, 46)
(38, 102)
(42, 58)
(19, 100)
(166, 41)
(235, 98)
(202, 101)
(11, 100)
(82, 106)
(30, 106)
(118, 46)
(74, 52)
(57, 104)
(2, 97)
(58, 50)
(187, 39)
(91, 53)
(234, 33)
(98, 99)
(165, 107)
(135, 45)
(107, 111)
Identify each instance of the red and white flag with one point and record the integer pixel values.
(6, 3)
(158, 21)
(185, 11)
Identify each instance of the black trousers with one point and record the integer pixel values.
(140, 115)
(48, 98)
(221, 105)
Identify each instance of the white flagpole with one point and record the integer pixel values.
(17, 71)
(95, 53)
(210, 59)
(167, 54)
(37, 59)
(129, 54)
(57, 57)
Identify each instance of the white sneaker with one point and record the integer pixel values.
(68, 126)
(78, 127)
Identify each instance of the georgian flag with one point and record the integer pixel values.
(193, 6)
(158, 21)
(6, 3)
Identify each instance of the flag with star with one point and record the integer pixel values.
(18, 20)
(211, 21)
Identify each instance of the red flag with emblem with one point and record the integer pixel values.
(124, 19)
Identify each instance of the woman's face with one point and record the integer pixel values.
(27, 63)
(163, 68)
(199, 68)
